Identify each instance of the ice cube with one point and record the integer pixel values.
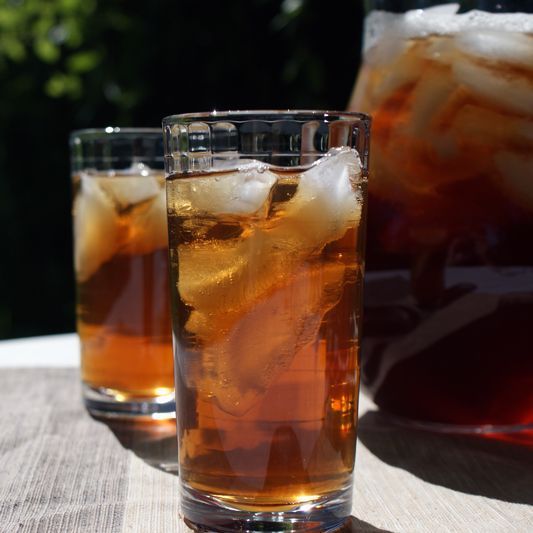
(387, 51)
(147, 228)
(128, 190)
(95, 228)
(440, 19)
(431, 93)
(510, 91)
(243, 192)
(414, 23)
(402, 72)
(439, 49)
(262, 341)
(511, 48)
(377, 25)
(516, 172)
(327, 202)
(227, 274)
(214, 275)
(490, 129)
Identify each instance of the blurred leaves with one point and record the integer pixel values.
(51, 31)
(61, 84)
(69, 37)
(88, 50)
(83, 61)
(46, 50)
(68, 64)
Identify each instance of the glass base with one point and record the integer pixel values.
(109, 403)
(202, 512)
(520, 433)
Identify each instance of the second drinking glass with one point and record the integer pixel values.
(121, 263)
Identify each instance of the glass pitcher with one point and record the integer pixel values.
(449, 297)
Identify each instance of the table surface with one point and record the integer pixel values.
(62, 471)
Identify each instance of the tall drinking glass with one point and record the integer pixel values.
(266, 218)
(121, 264)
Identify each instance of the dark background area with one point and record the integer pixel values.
(69, 64)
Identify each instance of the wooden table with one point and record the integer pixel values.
(62, 471)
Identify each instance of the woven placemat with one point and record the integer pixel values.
(63, 471)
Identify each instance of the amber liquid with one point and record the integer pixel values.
(449, 294)
(123, 311)
(124, 326)
(266, 387)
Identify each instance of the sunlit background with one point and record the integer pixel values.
(69, 64)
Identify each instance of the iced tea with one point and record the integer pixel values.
(266, 273)
(121, 263)
(449, 294)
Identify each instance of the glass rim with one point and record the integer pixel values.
(112, 131)
(261, 114)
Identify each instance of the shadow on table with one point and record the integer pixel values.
(473, 465)
(354, 525)
(155, 443)
(152, 441)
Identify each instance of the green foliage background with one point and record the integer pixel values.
(69, 64)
